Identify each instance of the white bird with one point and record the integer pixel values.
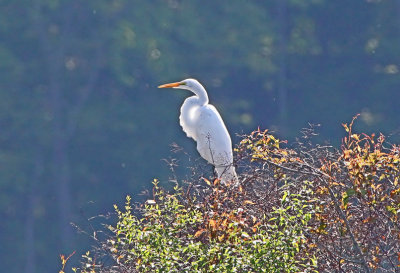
(202, 122)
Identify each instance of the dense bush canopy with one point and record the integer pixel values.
(308, 208)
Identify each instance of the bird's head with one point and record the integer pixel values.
(189, 84)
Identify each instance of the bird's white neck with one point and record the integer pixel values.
(200, 92)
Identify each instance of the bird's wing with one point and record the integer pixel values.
(213, 141)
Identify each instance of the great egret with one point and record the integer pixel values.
(202, 122)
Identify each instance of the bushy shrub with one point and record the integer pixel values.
(305, 208)
(171, 234)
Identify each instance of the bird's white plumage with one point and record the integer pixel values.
(202, 122)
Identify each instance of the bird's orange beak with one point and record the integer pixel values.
(170, 85)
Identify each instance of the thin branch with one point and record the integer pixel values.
(318, 174)
(348, 226)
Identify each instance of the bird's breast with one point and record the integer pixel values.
(188, 119)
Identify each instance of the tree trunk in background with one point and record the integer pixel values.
(54, 53)
(30, 262)
(64, 114)
(398, 12)
(282, 88)
(59, 164)
(61, 176)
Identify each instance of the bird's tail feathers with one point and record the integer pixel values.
(227, 174)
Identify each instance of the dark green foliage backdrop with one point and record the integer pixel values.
(81, 118)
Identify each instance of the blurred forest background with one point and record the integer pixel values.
(83, 124)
